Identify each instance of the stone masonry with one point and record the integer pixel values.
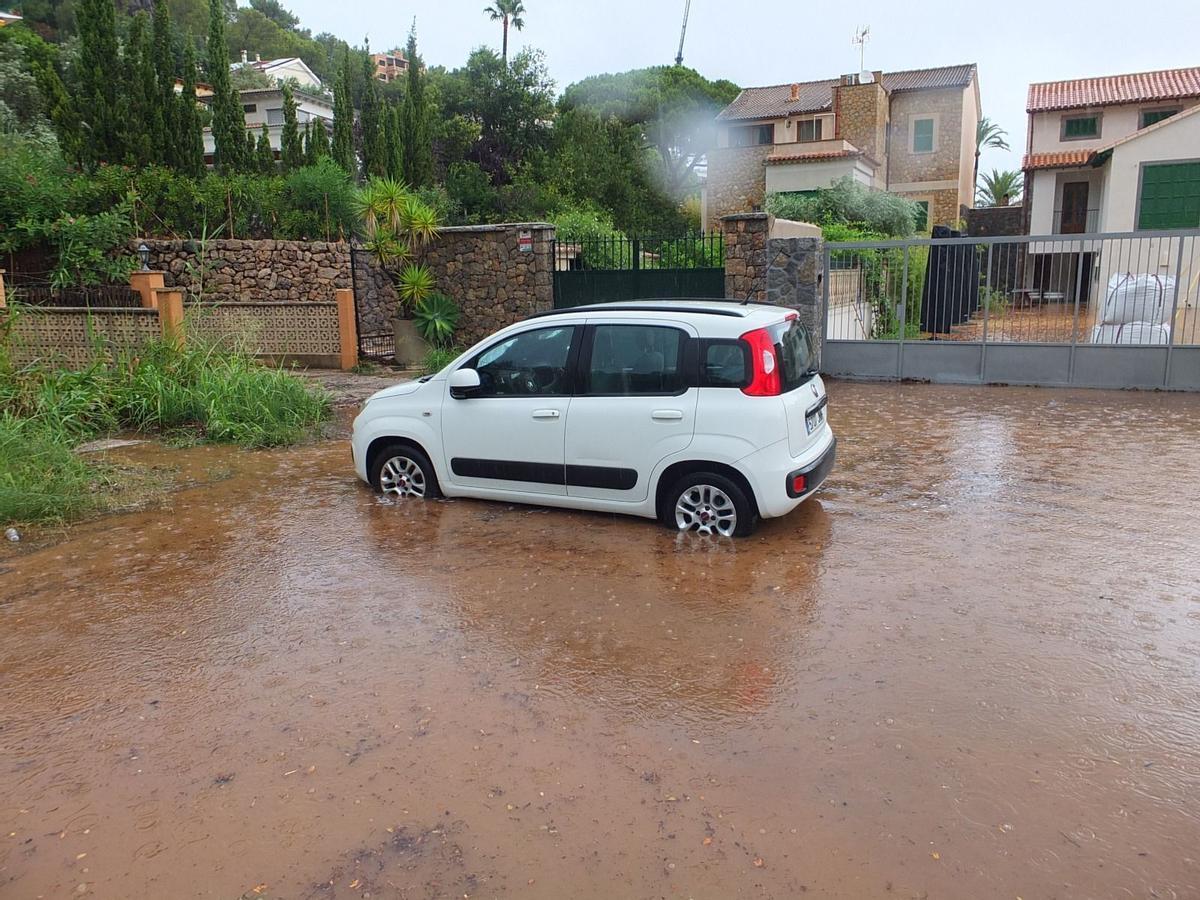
(232, 271)
(862, 116)
(746, 255)
(737, 179)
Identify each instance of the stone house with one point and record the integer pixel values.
(390, 66)
(910, 133)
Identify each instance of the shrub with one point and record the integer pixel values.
(439, 357)
(847, 202)
(602, 246)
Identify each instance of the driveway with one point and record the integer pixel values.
(970, 668)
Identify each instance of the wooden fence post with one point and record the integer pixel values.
(347, 332)
(146, 283)
(3, 301)
(169, 302)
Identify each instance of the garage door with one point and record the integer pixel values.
(1170, 196)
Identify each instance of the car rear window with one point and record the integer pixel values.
(797, 355)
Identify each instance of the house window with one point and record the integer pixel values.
(808, 130)
(1080, 128)
(922, 136)
(249, 107)
(1150, 116)
(751, 135)
(1170, 196)
(922, 222)
(275, 116)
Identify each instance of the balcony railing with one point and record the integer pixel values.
(1074, 221)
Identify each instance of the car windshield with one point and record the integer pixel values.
(798, 356)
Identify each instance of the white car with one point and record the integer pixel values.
(706, 415)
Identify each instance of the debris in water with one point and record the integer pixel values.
(12, 534)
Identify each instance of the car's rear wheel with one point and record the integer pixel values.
(708, 503)
(404, 471)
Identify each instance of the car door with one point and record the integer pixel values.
(634, 404)
(509, 433)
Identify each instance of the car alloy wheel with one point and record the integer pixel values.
(706, 509)
(402, 476)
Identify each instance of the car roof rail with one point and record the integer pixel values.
(736, 308)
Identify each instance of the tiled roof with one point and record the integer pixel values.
(817, 96)
(1139, 87)
(1064, 159)
(808, 157)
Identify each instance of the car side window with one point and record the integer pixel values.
(724, 364)
(529, 364)
(635, 359)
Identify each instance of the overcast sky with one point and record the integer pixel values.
(777, 41)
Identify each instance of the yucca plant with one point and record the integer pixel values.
(420, 222)
(415, 284)
(436, 317)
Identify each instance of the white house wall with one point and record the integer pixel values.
(811, 176)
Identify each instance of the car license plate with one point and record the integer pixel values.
(815, 419)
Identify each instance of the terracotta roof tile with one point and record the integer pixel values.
(1064, 159)
(807, 157)
(817, 96)
(1138, 87)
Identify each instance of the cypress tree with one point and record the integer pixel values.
(228, 123)
(393, 148)
(307, 139)
(291, 150)
(373, 142)
(164, 71)
(320, 133)
(140, 101)
(189, 137)
(99, 80)
(418, 145)
(343, 118)
(265, 155)
(249, 161)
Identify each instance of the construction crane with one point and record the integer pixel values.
(687, 7)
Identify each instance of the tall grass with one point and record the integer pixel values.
(214, 395)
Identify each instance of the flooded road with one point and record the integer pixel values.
(970, 668)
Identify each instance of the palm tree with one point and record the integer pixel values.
(1001, 188)
(507, 12)
(988, 135)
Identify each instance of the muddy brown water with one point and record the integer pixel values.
(970, 668)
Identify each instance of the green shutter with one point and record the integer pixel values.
(1170, 196)
(922, 222)
(923, 136)
(1150, 116)
(1081, 127)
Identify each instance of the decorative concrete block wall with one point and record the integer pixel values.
(71, 337)
(305, 333)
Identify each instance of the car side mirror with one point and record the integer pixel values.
(463, 383)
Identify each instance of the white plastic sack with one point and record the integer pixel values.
(1137, 333)
(1137, 298)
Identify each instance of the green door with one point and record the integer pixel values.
(1170, 196)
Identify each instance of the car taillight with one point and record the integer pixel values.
(765, 380)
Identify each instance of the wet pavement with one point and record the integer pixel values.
(970, 668)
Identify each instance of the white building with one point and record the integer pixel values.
(266, 105)
(283, 69)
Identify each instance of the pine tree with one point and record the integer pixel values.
(228, 123)
(291, 150)
(393, 148)
(189, 137)
(418, 145)
(164, 71)
(265, 155)
(139, 106)
(99, 80)
(343, 118)
(373, 143)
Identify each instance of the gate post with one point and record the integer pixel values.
(794, 278)
(169, 302)
(347, 332)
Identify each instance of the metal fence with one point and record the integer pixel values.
(1096, 309)
(608, 268)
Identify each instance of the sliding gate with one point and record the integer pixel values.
(1095, 310)
(608, 269)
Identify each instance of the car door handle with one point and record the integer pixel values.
(667, 415)
(545, 413)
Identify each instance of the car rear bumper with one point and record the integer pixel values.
(772, 472)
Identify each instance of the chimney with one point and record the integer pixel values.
(244, 60)
(795, 93)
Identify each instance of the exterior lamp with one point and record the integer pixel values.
(144, 252)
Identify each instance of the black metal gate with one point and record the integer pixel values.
(374, 345)
(613, 269)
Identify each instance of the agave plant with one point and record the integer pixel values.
(436, 317)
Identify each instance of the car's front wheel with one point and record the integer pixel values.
(708, 503)
(404, 471)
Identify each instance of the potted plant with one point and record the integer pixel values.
(398, 227)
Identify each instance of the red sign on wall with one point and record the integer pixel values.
(525, 241)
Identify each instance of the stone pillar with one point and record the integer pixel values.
(746, 255)
(146, 283)
(169, 303)
(795, 272)
(3, 300)
(347, 331)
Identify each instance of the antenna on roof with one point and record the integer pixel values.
(861, 36)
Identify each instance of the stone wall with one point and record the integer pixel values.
(375, 294)
(235, 271)
(862, 116)
(904, 166)
(737, 180)
(746, 255)
(996, 221)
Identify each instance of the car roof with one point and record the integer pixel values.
(691, 306)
